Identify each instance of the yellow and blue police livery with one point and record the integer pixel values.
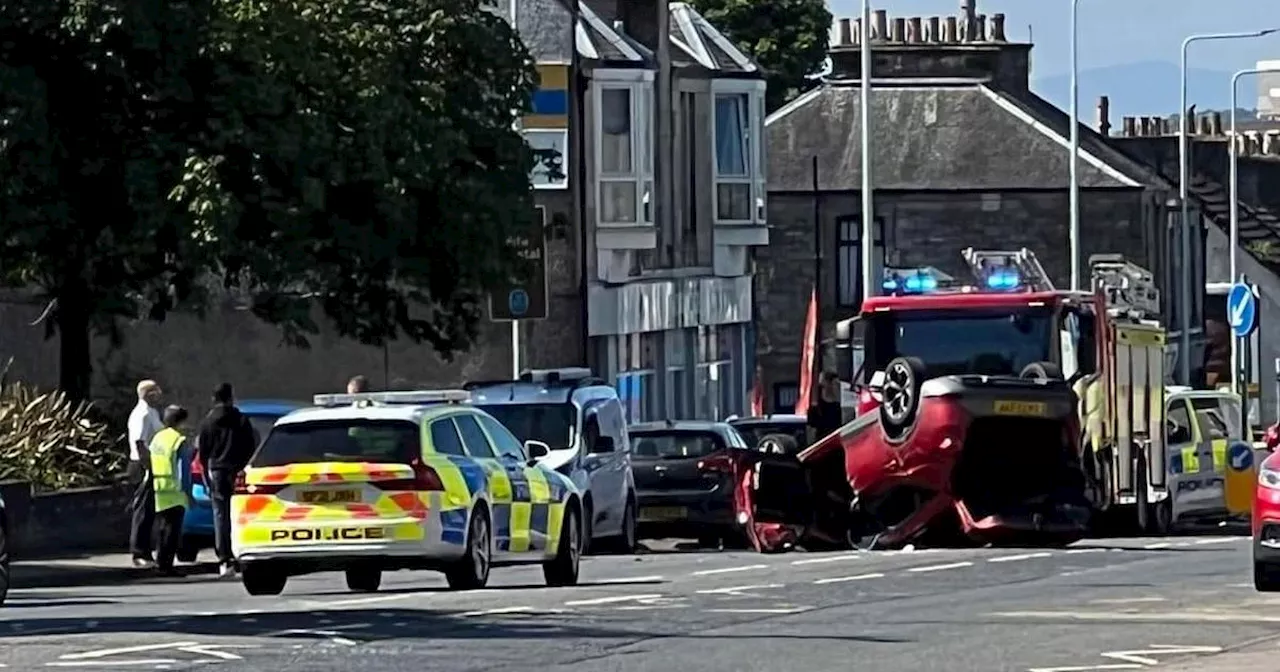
(372, 482)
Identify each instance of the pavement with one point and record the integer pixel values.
(1178, 603)
(88, 570)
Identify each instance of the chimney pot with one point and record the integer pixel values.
(1144, 127)
(1215, 124)
(980, 28)
(846, 33)
(1104, 116)
(935, 29)
(997, 28)
(898, 30)
(1201, 125)
(968, 12)
(1271, 143)
(914, 31)
(880, 25)
(1129, 127)
(949, 30)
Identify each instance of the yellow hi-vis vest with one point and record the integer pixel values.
(165, 477)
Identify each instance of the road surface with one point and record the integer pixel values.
(1116, 604)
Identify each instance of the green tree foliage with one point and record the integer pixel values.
(352, 155)
(788, 38)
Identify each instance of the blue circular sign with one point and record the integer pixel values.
(1242, 309)
(1240, 455)
(518, 302)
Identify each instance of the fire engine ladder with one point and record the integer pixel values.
(1129, 289)
(1030, 273)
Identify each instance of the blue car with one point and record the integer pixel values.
(197, 526)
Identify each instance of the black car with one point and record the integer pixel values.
(685, 477)
(753, 429)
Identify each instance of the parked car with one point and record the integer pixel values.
(581, 418)
(1266, 519)
(4, 551)
(684, 472)
(755, 429)
(197, 525)
(965, 458)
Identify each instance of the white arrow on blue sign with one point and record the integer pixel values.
(1240, 456)
(1242, 309)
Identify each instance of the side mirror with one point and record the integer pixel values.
(603, 444)
(536, 450)
(876, 386)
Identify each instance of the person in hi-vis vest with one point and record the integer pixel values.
(169, 451)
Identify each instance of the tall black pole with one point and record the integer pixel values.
(817, 270)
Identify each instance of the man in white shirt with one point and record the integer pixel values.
(144, 422)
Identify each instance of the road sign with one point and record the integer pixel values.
(1242, 310)
(525, 296)
(1240, 455)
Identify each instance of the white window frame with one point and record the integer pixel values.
(755, 91)
(558, 136)
(639, 83)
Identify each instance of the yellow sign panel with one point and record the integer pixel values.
(329, 534)
(1032, 409)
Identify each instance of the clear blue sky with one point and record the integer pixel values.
(1116, 32)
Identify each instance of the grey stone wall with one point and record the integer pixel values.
(925, 229)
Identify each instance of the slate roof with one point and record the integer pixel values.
(708, 47)
(544, 27)
(938, 135)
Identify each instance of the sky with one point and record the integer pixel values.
(1116, 32)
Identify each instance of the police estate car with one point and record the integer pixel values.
(373, 482)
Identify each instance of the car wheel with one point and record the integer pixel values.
(1266, 577)
(1041, 371)
(188, 549)
(364, 580)
(263, 579)
(1162, 517)
(625, 542)
(4, 565)
(471, 571)
(563, 569)
(901, 397)
(588, 528)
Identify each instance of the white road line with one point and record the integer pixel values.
(1127, 617)
(1024, 556)
(103, 653)
(375, 599)
(1223, 540)
(738, 589)
(939, 568)
(729, 570)
(844, 579)
(497, 611)
(623, 580)
(1089, 668)
(328, 632)
(611, 600)
(1128, 600)
(824, 560)
(1162, 544)
(112, 663)
(779, 610)
(1081, 551)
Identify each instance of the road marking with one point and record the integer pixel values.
(1162, 544)
(372, 600)
(1128, 600)
(498, 611)
(1082, 551)
(103, 653)
(729, 570)
(1144, 656)
(1223, 540)
(212, 651)
(939, 568)
(629, 579)
(857, 577)
(1024, 556)
(737, 589)
(1173, 616)
(611, 600)
(789, 610)
(831, 558)
(108, 663)
(1089, 668)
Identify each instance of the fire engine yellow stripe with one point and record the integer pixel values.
(520, 514)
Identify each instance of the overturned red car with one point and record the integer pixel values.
(960, 447)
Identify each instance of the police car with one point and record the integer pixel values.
(374, 482)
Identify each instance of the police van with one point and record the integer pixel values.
(1201, 426)
(581, 419)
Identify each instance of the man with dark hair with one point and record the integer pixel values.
(357, 385)
(168, 450)
(225, 444)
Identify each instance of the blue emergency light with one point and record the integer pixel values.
(917, 282)
(1003, 279)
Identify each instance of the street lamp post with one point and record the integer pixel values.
(1074, 224)
(1184, 179)
(1234, 197)
(870, 284)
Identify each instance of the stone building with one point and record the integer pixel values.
(964, 154)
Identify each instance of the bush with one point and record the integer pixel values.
(47, 440)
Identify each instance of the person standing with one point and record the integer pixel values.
(357, 385)
(224, 445)
(144, 423)
(168, 450)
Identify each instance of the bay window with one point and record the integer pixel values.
(624, 146)
(738, 151)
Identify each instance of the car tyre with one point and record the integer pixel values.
(588, 528)
(188, 549)
(263, 579)
(1041, 371)
(471, 571)
(625, 542)
(1162, 517)
(364, 579)
(900, 400)
(563, 569)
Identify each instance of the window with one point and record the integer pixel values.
(473, 437)
(552, 424)
(445, 439)
(1218, 418)
(738, 152)
(962, 342)
(355, 440)
(624, 146)
(713, 380)
(849, 258)
(674, 445)
(1177, 424)
(507, 445)
(785, 396)
(636, 380)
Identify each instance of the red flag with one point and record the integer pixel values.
(807, 355)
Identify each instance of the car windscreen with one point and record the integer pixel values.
(998, 342)
(753, 432)
(552, 424)
(354, 440)
(674, 444)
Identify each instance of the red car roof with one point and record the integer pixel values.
(953, 299)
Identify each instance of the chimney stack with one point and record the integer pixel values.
(897, 31)
(914, 31)
(949, 30)
(1129, 127)
(1104, 116)
(934, 33)
(997, 28)
(969, 12)
(1201, 125)
(1215, 124)
(880, 25)
(980, 28)
(846, 33)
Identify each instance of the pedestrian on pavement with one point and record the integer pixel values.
(168, 451)
(224, 445)
(144, 423)
(357, 385)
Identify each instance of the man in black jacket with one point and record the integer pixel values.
(224, 446)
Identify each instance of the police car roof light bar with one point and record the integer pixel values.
(1031, 275)
(408, 397)
(552, 376)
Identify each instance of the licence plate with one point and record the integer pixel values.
(330, 496)
(653, 513)
(1033, 409)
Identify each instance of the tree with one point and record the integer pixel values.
(354, 155)
(787, 38)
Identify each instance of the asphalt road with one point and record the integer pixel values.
(1110, 604)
